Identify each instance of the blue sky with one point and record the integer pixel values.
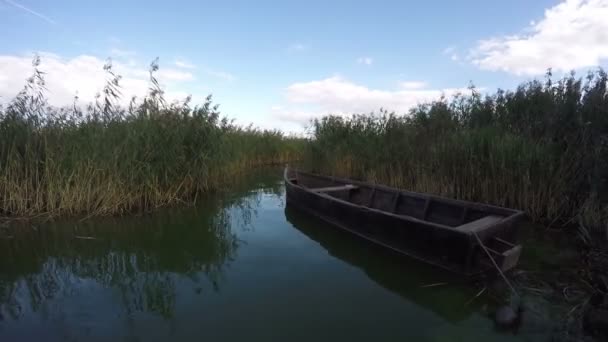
(277, 64)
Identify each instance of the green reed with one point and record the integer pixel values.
(542, 148)
(104, 159)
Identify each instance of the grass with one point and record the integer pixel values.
(542, 147)
(103, 159)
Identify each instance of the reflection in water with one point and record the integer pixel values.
(231, 268)
(139, 258)
(409, 279)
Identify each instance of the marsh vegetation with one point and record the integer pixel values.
(103, 158)
(542, 148)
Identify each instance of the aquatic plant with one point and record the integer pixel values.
(542, 147)
(104, 159)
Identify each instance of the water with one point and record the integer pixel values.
(237, 267)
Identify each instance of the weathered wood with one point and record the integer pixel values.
(470, 205)
(510, 257)
(395, 201)
(335, 188)
(499, 268)
(370, 200)
(480, 224)
(427, 206)
(434, 230)
(504, 242)
(463, 218)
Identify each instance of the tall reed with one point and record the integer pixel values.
(105, 159)
(542, 148)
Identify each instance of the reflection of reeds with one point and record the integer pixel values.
(141, 257)
(542, 148)
(103, 159)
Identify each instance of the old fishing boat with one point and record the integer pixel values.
(463, 237)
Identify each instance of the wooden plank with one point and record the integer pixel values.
(504, 242)
(427, 205)
(465, 212)
(478, 225)
(472, 205)
(335, 188)
(510, 258)
(395, 201)
(371, 197)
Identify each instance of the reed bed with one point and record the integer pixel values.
(104, 159)
(542, 147)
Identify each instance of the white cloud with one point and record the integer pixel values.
(336, 95)
(31, 11)
(299, 116)
(365, 60)
(83, 76)
(571, 35)
(452, 52)
(412, 85)
(180, 63)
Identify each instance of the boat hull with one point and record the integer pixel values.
(442, 246)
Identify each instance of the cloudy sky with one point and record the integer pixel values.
(279, 63)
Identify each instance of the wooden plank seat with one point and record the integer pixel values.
(335, 188)
(478, 225)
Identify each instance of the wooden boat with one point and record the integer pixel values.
(463, 237)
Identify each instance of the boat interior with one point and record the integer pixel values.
(451, 213)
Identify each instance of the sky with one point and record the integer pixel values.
(277, 64)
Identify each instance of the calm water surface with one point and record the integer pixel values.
(236, 267)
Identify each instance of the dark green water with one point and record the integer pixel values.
(236, 267)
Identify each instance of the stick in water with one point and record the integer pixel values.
(433, 285)
(477, 295)
(496, 265)
(84, 237)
